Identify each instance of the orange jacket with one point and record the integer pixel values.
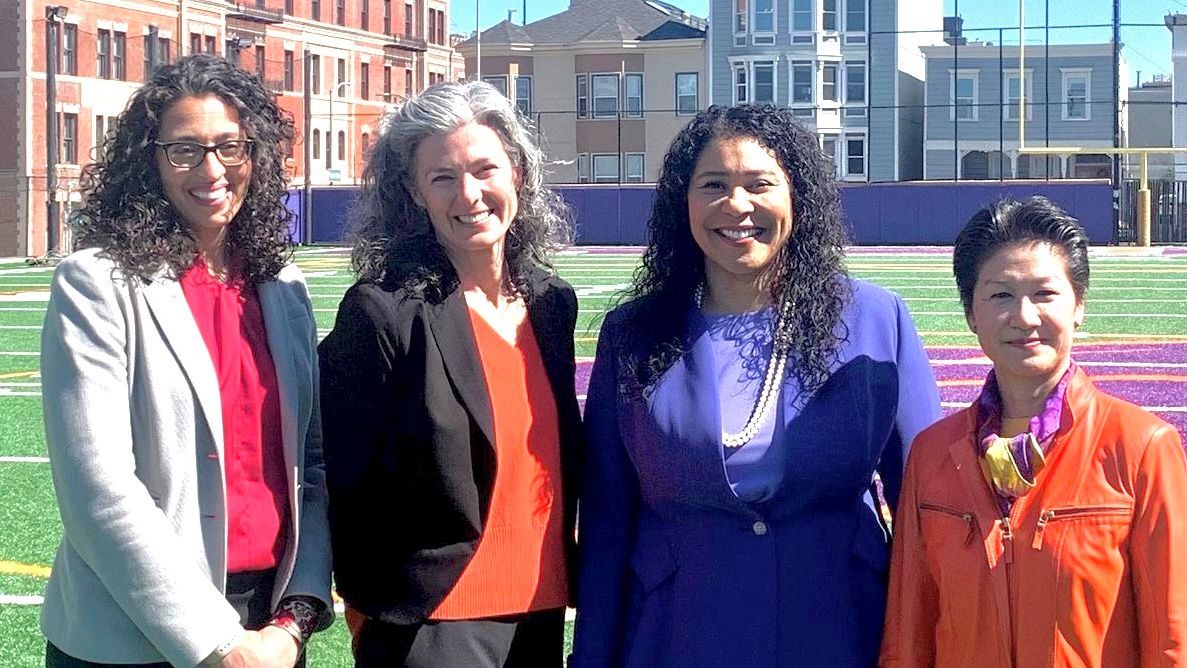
(1090, 568)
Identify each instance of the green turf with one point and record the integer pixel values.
(28, 514)
(29, 525)
(23, 429)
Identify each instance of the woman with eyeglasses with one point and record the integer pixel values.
(179, 377)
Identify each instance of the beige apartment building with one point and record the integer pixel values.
(608, 83)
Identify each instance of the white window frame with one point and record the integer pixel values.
(594, 97)
(605, 159)
(754, 65)
(865, 156)
(740, 82)
(741, 21)
(825, 67)
(627, 112)
(627, 176)
(802, 66)
(857, 107)
(582, 168)
(800, 12)
(835, 156)
(1067, 74)
(519, 102)
(1010, 106)
(582, 81)
(953, 77)
(763, 37)
(696, 93)
(865, 19)
(836, 16)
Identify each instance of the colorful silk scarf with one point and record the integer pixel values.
(1011, 464)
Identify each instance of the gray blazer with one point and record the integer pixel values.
(133, 423)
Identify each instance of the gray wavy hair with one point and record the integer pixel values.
(393, 238)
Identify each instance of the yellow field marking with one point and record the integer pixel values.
(19, 374)
(17, 568)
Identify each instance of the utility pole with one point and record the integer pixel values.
(307, 193)
(52, 14)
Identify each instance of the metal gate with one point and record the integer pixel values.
(1168, 212)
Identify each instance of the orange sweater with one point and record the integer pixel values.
(1092, 570)
(519, 565)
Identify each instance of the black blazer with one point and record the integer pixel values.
(408, 440)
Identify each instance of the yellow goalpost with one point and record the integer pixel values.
(1143, 203)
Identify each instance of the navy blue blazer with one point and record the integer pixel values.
(675, 570)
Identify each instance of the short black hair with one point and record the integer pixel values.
(1007, 222)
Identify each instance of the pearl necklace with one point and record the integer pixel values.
(771, 382)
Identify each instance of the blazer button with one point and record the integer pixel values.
(760, 528)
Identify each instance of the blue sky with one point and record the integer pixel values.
(1146, 48)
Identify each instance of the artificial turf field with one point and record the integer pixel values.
(1134, 345)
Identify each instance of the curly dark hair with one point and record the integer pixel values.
(394, 241)
(808, 271)
(1007, 222)
(125, 212)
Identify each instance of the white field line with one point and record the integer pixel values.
(39, 309)
(12, 459)
(1089, 316)
(38, 296)
(9, 353)
(10, 599)
(26, 270)
(1090, 300)
(20, 326)
(8, 384)
(984, 361)
(4, 392)
(1152, 409)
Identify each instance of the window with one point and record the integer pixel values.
(329, 152)
(605, 101)
(801, 16)
(341, 144)
(408, 19)
(583, 97)
(364, 18)
(233, 55)
(365, 81)
(437, 26)
(209, 43)
(316, 144)
(100, 133)
(69, 125)
(855, 15)
(441, 26)
(764, 82)
(340, 77)
(582, 168)
(315, 10)
(740, 24)
(1076, 89)
(289, 74)
(260, 60)
(634, 96)
(828, 15)
(828, 82)
(828, 145)
(195, 43)
(432, 26)
(1010, 87)
(366, 144)
(687, 84)
(855, 155)
(801, 82)
(315, 74)
(103, 54)
(340, 12)
(764, 21)
(148, 55)
(69, 64)
(387, 17)
(499, 82)
(288, 7)
(523, 94)
(409, 83)
(633, 167)
(741, 85)
(164, 51)
(855, 88)
(964, 95)
(605, 168)
(387, 83)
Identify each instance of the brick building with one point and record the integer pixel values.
(364, 54)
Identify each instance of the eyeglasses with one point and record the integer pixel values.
(190, 154)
